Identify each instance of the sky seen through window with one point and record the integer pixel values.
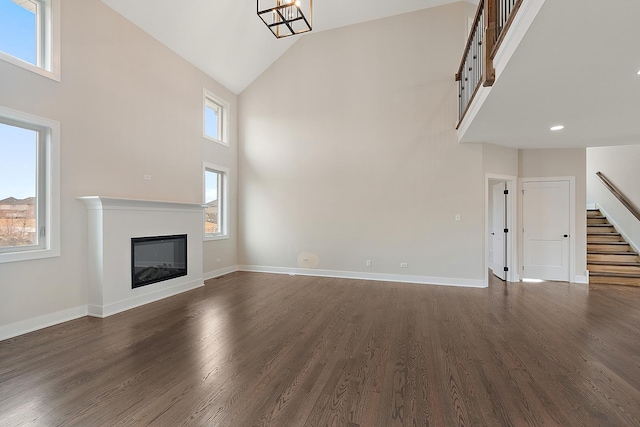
(17, 145)
(18, 31)
(18, 149)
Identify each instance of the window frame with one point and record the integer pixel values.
(210, 100)
(223, 186)
(47, 186)
(47, 42)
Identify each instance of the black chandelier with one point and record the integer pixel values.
(286, 17)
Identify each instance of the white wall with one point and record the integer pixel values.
(563, 162)
(348, 152)
(620, 166)
(500, 160)
(128, 106)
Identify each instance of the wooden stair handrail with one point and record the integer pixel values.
(623, 199)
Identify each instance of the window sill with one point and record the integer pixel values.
(52, 75)
(217, 141)
(6, 257)
(211, 238)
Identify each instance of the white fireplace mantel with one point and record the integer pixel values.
(100, 202)
(112, 224)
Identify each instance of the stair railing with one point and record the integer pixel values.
(618, 194)
(492, 21)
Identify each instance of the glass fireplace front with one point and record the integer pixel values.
(158, 258)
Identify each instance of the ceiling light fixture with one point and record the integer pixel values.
(286, 17)
(559, 127)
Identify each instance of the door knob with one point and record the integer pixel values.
(566, 235)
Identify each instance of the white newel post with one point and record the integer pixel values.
(112, 224)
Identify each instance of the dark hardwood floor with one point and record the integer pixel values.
(258, 349)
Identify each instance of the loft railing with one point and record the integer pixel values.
(618, 194)
(492, 21)
(469, 74)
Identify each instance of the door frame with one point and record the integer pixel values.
(572, 219)
(512, 256)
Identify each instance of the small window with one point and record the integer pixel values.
(213, 114)
(28, 187)
(215, 119)
(27, 37)
(215, 199)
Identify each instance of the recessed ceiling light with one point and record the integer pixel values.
(639, 73)
(558, 127)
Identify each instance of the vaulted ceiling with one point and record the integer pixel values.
(577, 64)
(227, 40)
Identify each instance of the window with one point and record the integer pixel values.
(215, 197)
(27, 36)
(213, 124)
(29, 177)
(215, 118)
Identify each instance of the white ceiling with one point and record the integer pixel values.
(576, 66)
(228, 41)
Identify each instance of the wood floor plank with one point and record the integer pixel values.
(252, 349)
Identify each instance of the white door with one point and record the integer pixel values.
(497, 235)
(546, 209)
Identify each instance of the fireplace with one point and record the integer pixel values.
(158, 258)
(112, 224)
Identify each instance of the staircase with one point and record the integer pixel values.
(610, 259)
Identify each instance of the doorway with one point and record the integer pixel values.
(498, 230)
(500, 204)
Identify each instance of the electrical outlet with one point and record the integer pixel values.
(147, 177)
(305, 259)
(404, 265)
(457, 217)
(368, 263)
(217, 259)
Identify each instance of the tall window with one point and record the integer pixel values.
(27, 36)
(28, 187)
(215, 197)
(215, 118)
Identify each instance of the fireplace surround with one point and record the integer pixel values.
(112, 223)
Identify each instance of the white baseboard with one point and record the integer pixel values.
(220, 272)
(129, 303)
(29, 325)
(40, 322)
(582, 279)
(423, 280)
